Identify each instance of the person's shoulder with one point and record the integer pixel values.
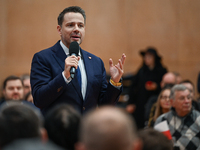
(166, 116)
(90, 55)
(196, 112)
(48, 50)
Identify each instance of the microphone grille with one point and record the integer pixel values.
(74, 48)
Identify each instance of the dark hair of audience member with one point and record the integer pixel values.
(62, 123)
(154, 140)
(12, 77)
(18, 121)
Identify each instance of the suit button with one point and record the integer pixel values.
(83, 108)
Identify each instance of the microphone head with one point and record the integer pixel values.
(74, 48)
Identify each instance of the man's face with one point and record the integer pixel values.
(191, 88)
(13, 90)
(72, 29)
(27, 86)
(182, 102)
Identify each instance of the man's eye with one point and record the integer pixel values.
(19, 88)
(11, 88)
(70, 25)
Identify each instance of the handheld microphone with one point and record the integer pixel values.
(73, 50)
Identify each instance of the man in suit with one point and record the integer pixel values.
(50, 72)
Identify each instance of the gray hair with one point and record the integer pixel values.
(177, 87)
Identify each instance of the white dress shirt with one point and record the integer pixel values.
(82, 70)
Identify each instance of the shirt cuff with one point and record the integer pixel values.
(66, 80)
(118, 87)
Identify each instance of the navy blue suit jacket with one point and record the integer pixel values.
(49, 87)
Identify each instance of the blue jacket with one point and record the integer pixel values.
(49, 87)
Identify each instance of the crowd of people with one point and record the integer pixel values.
(51, 109)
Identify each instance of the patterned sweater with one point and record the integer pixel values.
(185, 130)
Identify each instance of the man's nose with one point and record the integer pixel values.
(16, 90)
(187, 100)
(76, 28)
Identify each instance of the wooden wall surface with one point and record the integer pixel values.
(113, 27)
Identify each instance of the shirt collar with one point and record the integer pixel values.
(66, 50)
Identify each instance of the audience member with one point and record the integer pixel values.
(62, 123)
(108, 128)
(182, 119)
(178, 77)
(154, 140)
(13, 88)
(21, 127)
(146, 83)
(168, 79)
(29, 97)
(162, 106)
(198, 86)
(191, 87)
(26, 81)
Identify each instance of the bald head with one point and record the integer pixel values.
(108, 128)
(168, 78)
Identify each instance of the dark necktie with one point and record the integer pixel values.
(78, 74)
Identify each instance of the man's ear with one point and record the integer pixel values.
(80, 146)
(59, 29)
(44, 135)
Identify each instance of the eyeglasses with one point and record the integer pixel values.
(164, 97)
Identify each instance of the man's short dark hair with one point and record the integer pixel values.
(188, 81)
(18, 121)
(75, 9)
(62, 123)
(9, 78)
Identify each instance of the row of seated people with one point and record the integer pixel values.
(23, 127)
(157, 109)
(148, 108)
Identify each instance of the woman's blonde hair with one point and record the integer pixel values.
(158, 110)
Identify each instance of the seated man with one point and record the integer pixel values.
(191, 87)
(27, 84)
(108, 128)
(13, 88)
(182, 119)
(62, 123)
(21, 128)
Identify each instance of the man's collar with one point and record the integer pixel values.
(66, 50)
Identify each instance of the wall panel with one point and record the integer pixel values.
(113, 27)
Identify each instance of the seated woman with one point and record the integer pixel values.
(162, 106)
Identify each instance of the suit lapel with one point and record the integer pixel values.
(59, 55)
(87, 58)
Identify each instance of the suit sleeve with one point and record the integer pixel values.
(45, 88)
(108, 93)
